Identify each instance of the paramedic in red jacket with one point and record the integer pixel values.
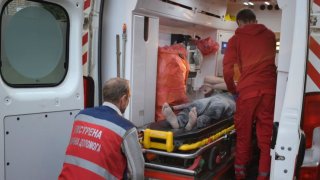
(252, 49)
(103, 144)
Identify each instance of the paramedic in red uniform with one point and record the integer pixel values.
(103, 144)
(252, 49)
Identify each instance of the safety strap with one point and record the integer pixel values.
(90, 166)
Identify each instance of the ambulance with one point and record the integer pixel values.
(56, 54)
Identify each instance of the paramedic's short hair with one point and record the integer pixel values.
(246, 15)
(114, 89)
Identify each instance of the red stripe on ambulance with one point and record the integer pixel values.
(314, 46)
(85, 36)
(85, 52)
(313, 73)
(86, 4)
(84, 58)
(85, 39)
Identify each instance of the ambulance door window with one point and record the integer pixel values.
(34, 41)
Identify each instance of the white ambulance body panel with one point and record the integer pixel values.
(33, 118)
(143, 69)
(294, 56)
(35, 144)
(284, 57)
(30, 144)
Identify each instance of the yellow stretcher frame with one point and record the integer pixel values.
(168, 137)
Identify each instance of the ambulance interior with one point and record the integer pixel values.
(161, 23)
(158, 24)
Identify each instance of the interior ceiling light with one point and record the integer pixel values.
(266, 3)
(246, 3)
(250, 3)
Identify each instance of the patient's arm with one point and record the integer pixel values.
(221, 86)
(211, 83)
(213, 80)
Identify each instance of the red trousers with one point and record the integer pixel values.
(258, 110)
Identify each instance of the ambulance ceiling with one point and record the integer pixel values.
(214, 7)
(264, 5)
(252, 1)
(210, 8)
(181, 24)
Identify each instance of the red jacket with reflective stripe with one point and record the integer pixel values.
(94, 150)
(253, 48)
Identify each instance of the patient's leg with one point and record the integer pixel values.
(170, 116)
(203, 121)
(192, 119)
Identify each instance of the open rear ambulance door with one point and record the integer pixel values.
(41, 86)
(296, 146)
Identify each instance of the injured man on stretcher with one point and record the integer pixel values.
(202, 112)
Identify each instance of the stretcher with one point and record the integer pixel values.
(198, 154)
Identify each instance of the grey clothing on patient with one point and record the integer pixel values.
(209, 110)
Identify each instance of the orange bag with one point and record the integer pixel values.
(172, 75)
(207, 46)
